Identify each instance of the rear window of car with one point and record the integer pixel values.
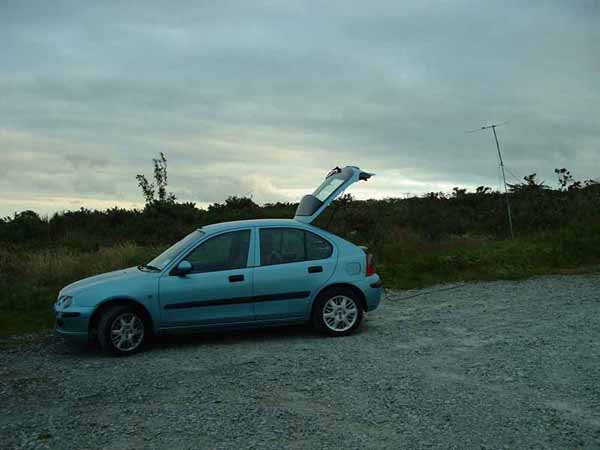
(288, 245)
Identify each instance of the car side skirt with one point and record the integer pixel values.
(233, 325)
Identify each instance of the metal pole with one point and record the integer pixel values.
(512, 234)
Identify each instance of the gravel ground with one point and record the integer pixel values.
(475, 366)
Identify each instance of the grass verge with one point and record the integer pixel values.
(31, 278)
(554, 253)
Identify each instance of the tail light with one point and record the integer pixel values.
(370, 265)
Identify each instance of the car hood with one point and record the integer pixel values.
(131, 273)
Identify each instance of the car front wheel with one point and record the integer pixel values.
(121, 330)
(338, 312)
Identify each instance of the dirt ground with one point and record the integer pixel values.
(476, 366)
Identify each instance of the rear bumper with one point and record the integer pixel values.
(372, 287)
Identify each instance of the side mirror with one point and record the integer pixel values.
(183, 268)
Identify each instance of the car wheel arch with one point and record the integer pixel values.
(118, 301)
(359, 294)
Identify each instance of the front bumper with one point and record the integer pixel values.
(71, 335)
(72, 323)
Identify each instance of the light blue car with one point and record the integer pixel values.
(251, 273)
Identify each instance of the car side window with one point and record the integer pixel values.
(287, 245)
(281, 246)
(226, 251)
(317, 247)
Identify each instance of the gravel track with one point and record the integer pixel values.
(480, 366)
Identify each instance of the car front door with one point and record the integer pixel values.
(293, 266)
(218, 289)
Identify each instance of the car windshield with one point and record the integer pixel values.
(162, 260)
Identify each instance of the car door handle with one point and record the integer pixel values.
(315, 269)
(236, 278)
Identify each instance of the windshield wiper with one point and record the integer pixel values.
(148, 268)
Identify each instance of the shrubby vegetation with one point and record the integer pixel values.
(429, 219)
(417, 241)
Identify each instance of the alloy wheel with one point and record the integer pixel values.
(340, 313)
(127, 332)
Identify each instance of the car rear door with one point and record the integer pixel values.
(293, 265)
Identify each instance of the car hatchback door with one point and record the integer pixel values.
(219, 287)
(335, 183)
(294, 265)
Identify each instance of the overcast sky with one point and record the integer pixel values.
(265, 97)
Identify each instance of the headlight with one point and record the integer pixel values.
(64, 301)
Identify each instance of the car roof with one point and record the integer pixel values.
(224, 226)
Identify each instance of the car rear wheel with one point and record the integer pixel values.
(122, 330)
(337, 312)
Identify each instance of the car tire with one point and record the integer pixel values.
(337, 312)
(122, 330)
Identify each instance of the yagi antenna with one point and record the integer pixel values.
(493, 127)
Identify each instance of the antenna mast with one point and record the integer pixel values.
(493, 127)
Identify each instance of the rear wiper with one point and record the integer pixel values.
(148, 267)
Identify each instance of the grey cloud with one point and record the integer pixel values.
(79, 161)
(265, 97)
